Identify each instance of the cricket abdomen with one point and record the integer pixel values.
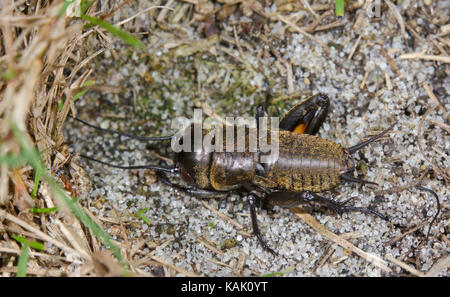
(305, 162)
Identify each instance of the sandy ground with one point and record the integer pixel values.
(370, 87)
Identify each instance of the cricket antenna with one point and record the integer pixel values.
(144, 138)
(152, 167)
(437, 204)
(359, 146)
(347, 177)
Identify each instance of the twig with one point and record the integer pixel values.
(443, 59)
(302, 31)
(397, 238)
(399, 18)
(317, 21)
(445, 41)
(397, 189)
(205, 204)
(363, 83)
(391, 62)
(405, 266)
(413, 32)
(156, 155)
(163, 12)
(169, 265)
(289, 75)
(438, 151)
(209, 246)
(219, 263)
(34, 271)
(433, 97)
(308, 7)
(354, 48)
(71, 238)
(237, 270)
(141, 12)
(42, 235)
(308, 219)
(362, 14)
(236, 38)
(325, 256)
(442, 125)
(195, 2)
(124, 233)
(440, 265)
(329, 26)
(445, 30)
(36, 254)
(420, 142)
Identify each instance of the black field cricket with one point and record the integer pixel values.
(303, 166)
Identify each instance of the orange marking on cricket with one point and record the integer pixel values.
(300, 128)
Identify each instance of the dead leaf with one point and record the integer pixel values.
(22, 199)
(105, 265)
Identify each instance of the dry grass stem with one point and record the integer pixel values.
(171, 266)
(442, 125)
(308, 7)
(433, 97)
(302, 31)
(225, 217)
(330, 26)
(209, 245)
(440, 265)
(308, 219)
(118, 24)
(355, 46)
(42, 235)
(317, 21)
(37, 254)
(443, 59)
(438, 169)
(398, 17)
(219, 263)
(412, 230)
(405, 266)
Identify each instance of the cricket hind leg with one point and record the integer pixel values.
(340, 207)
(307, 116)
(260, 110)
(290, 199)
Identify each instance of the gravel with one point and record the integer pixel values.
(152, 97)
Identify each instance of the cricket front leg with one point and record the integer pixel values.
(252, 198)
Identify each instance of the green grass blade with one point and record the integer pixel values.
(22, 263)
(31, 243)
(36, 183)
(339, 8)
(33, 158)
(83, 6)
(12, 161)
(8, 74)
(140, 215)
(64, 7)
(131, 40)
(43, 210)
(87, 83)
